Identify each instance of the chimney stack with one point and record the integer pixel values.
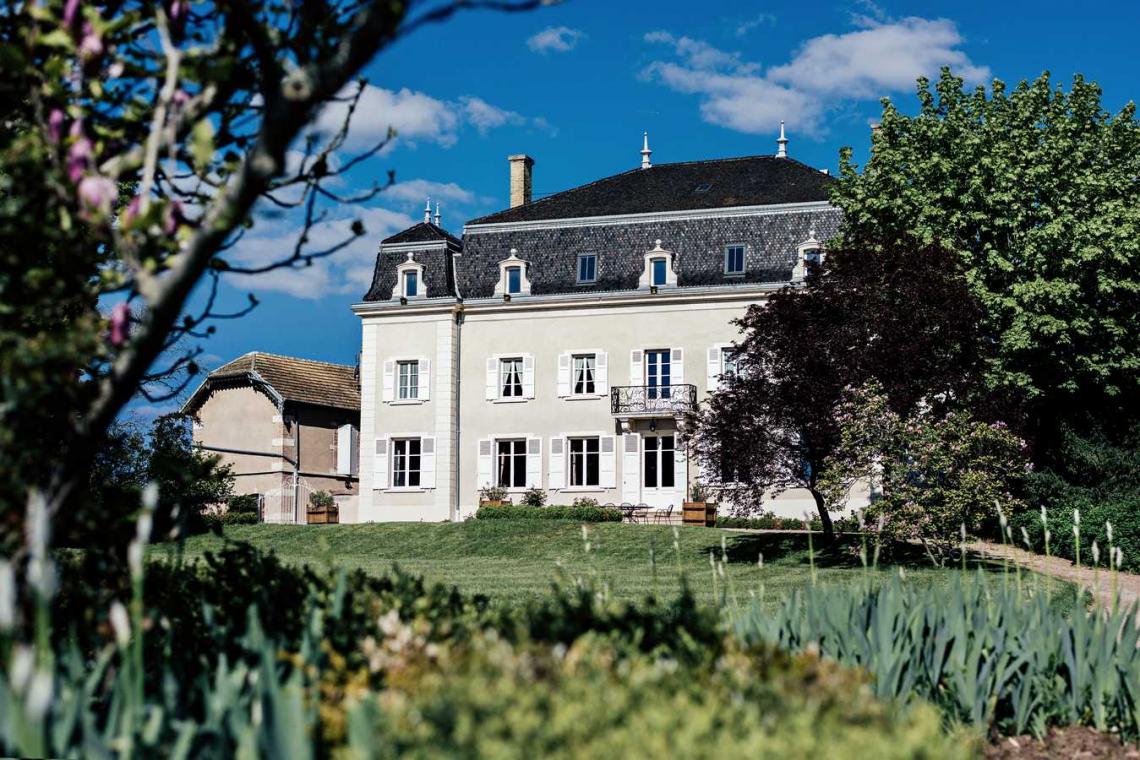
(521, 166)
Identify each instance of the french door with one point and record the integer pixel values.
(659, 487)
(657, 374)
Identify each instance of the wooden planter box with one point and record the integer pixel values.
(698, 513)
(494, 503)
(323, 515)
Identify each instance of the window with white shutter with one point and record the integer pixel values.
(492, 391)
(602, 380)
(528, 377)
(486, 463)
(677, 366)
(564, 375)
(712, 369)
(346, 450)
(556, 477)
(380, 464)
(424, 387)
(534, 463)
(630, 468)
(389, 382)
(427, 462)
(606, 462)
(635, 372)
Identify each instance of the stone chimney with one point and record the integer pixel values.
(521, 166)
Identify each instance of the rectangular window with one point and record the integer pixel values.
(659, 461)
(406, 463)
(584, 372)
(409, 380)
(584, 463)
(587, 267)
(727, 361)
(657, 374)
(658, 271)
(510, 377)
(514, 280)
(813, 258)
(411, 284)
(734, 259)
(512, 463)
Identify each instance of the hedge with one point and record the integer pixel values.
(577, 514)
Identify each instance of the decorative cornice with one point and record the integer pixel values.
(430, 245)
(650, 217)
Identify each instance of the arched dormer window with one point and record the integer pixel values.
(513, 280)
(809, 256)
(410, 283)
(658, 272)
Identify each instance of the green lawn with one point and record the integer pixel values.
(509, 560)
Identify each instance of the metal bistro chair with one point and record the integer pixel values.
(627, 511)
(641, 512)
(662, 516)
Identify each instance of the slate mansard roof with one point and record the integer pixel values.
(302, 381)
(770, 205)
(718, 183)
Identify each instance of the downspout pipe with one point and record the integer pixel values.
(457, 384)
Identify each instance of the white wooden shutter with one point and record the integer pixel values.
(534, 463)
(528, 376)
(492, 379)
(712, 369)
(424, 390)
(389, 393)
(606, 462)
(601, 373)
(427, 462)
(485, 462)
(680, 469)
(344, 450)
(677, 367)
(636, 377)
(556, 476)
(631, 468)
(380, 464)
(355, 455)
(564, 369)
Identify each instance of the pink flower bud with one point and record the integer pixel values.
(78, 158)
(70, 11)
(55, 125)
(96, 194)
(120, 324)
(131, 212)
(91, 46)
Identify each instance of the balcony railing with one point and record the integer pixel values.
(652, 400)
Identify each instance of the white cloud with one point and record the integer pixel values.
(873, 61)
(416, 190)
(747, 25)
(415, 117)
(556, 39)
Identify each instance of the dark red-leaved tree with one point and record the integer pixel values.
(886, 311)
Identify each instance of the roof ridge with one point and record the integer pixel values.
(303, 359)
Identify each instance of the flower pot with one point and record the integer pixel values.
(698, 513)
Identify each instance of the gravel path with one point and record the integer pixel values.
(1099, 584)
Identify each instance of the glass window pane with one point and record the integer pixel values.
(650, 462)
(666, 468)
(658, 271)
(514, 280)
(592, 462)
(411, 283)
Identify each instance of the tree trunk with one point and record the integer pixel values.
(824, 517)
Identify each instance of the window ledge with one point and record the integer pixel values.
(407, 402)
(586, 489)
(735, 275)
(511, 400)
(405, 490)
(584, 397)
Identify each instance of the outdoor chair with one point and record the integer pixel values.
(627, 511)
(663, 515)
(641, 512)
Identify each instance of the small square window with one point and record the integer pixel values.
(658, 271)
(514, 280)
(587, 267)
(411, 284)
(734, 259)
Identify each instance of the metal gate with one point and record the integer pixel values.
(287, 504)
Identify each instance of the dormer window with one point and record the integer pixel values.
(587, 268)
(809, 257)
(410, 283)
(513, 280)
(658, 272)
(734, 259)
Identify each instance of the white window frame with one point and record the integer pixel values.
(411, 265)
(390, 380)
(578, 268)
(802, 250)
(714, 361)
(585, 454)
(412, 391)
(559, 472)
(516, 383)
(743, 260)
(567, 377)
(646, 280)
(494, 379)
(393, 444)
(509, 263)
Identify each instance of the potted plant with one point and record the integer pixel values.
(493, 496)
(699, 511)
(322, 508)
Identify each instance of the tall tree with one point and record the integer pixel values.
(137, 138)
(1038, 192)
(885, 311)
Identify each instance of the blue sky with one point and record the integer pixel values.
(575, 85)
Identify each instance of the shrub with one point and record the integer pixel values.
(585, 501)
(246, 502)
(321, 500)
(767, 521)
(576, 513)
(534, 497)
(493, 493)
(214, 521)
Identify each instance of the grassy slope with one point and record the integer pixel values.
(509, 560)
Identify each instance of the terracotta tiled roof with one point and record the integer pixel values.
(298, 380)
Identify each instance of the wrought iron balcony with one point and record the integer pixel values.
(652, 400)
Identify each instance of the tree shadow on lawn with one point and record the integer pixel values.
(843, 553)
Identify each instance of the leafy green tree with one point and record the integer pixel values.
(1036, 190)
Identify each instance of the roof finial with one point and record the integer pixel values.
(427, 211)
(437, 213)
(645, 152)
(782, 143)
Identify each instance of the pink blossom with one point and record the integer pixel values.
(97, 193)
(131, 213)
(69, 12)
(55, 125)
(120, 324)
(91, 46)
(176, 9)
(78, 158)
(173, 218)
